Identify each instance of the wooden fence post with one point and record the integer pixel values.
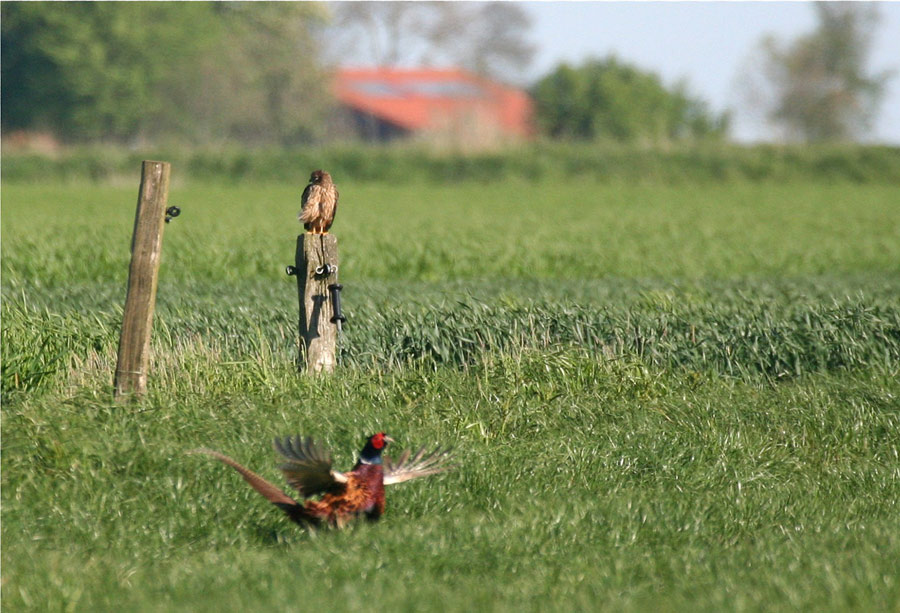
(146, 248)
(316, 269)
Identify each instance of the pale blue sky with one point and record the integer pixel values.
(707, 43)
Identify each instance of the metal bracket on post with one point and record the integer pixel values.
(326, 270)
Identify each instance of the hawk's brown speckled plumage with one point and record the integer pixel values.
(319, 203)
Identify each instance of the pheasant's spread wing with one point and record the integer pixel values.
(308, 466)
(310, 203)
(271, 492)
(412, 465)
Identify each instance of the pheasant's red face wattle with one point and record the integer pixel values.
(378, 441)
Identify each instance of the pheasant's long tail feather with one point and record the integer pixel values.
(269, 491)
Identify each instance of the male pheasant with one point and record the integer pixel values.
(346, 495)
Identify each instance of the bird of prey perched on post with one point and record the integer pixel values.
(320, 200)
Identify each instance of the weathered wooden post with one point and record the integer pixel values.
(146, 248)
(317, 268)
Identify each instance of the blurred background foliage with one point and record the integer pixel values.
(258, 73)
(127, 72)
(614, 100)
(817, 87)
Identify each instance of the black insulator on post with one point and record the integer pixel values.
(172, 212)
(335, 289)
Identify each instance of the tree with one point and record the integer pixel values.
(817, 87)
(84, 68)
(198, 71)
(258, 80)
(488, 38)
(611, 100)
(383, 33)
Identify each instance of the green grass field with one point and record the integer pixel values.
(662, 397)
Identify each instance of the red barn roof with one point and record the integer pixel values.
(424, 99)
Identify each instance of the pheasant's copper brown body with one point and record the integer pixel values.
(363, 494)
(359, 492)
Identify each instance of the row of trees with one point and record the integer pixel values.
(125, 70)
(258, 72)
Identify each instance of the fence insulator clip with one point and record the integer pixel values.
(335, 289)
(326, 270)
(290, 271)
(172, 212)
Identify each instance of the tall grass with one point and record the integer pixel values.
(745, 333)
(769, 281)
(661, 397)
(583, 484)
(74, 236)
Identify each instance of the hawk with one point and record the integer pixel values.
(319, 203)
